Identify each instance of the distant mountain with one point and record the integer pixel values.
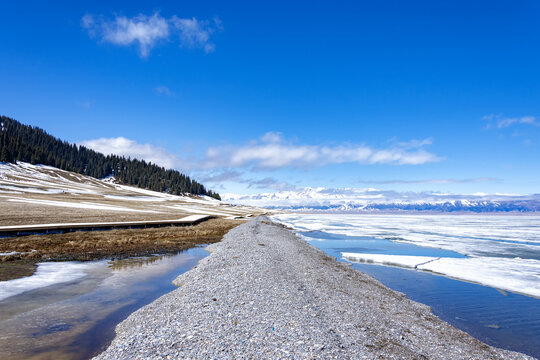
(33, 145)
(373, 200)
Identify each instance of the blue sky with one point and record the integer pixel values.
(263, 96)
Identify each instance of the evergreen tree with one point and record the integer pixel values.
(25, 143)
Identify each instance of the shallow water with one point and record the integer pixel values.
(76, 319)
(499, 318)
(502, 319)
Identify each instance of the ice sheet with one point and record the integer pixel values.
(393, 260)
(47, 274)
(515, 275)
(471, 235)
(502, 251)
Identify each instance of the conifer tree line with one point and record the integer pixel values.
(19, 142)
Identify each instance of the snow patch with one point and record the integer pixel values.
(9, 253)
(47, 274)
(82, 205)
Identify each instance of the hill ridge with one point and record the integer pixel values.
(19, 142)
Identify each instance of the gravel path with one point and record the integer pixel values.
(264, 293)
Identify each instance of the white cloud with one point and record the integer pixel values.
(500, 122)
(195, 33)
(88, 22)
(87, 104)
(130, 148)
(237, 177)
(269, 183)
(147, 31)
(272, 137)
(163, 90)
(217, 177)
(272, 152)
(430, 181)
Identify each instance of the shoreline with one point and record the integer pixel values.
(265, 293)
(27, 251)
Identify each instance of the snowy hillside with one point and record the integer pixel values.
(39, 194)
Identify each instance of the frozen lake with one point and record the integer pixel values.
(405, 251)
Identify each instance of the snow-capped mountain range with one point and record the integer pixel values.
(374, 200)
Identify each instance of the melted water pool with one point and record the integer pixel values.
(76, 319)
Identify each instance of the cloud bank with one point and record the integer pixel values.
(238, 177)
(429, 181)
(273, 152)
(270, 152)
(130, 148)
(163, 90)
(501, 122)
(146, 31)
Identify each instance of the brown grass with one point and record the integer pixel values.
(92, 245)
(18, 213)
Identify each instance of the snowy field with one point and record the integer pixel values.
(37, 194)
(500, 251)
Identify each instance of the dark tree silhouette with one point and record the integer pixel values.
(20, 142)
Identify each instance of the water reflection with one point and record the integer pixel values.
(130, 263)
(76, 320)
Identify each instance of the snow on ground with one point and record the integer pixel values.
(133, 189)
(32, 184)
(197, 210)
(193, 217)
(134, 198)
(10, 192)
(21, 189)
(516, 275)
(47, 178)
(47, 274)
(203, 200)
(9, 253)
(81, 205)
(94, 224)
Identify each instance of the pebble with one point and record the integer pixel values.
(286, 300)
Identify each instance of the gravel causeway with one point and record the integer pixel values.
(263, 293)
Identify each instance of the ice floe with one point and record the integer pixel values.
(48, 273)
(502, 251)
(393, 260)
(471, 235)
(515, 275)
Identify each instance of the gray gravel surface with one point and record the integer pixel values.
(263, 293)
